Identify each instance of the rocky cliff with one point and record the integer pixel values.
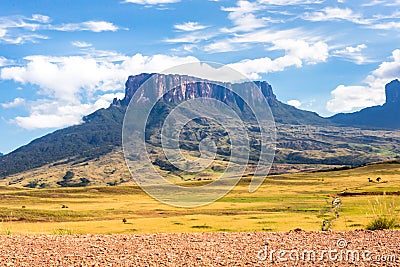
(178, 88)
(385, 116)
(392, 91)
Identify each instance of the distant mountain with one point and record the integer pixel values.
(100, 132)
(303, 137)
(386, 116)
(1, 154)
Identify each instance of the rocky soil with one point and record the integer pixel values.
(296, 248)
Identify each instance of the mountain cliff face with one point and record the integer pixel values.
(392, 91)
(187, 88)
(385, 116)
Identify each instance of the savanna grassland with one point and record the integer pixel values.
(283, 202)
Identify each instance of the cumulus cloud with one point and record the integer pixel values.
(295, 103)
(189, 26)
(15, 103)
(371, 93)
(71, 87)
(45, 113)
(349, 98)
(310, 53)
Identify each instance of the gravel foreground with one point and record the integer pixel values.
(296, 248)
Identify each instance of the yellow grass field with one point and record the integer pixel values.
(282, 203)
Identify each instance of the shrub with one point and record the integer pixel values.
(382, 223)
(385, 216)
(32, 184)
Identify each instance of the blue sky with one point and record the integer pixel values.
(60, 60)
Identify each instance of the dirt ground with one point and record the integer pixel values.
(296, 248)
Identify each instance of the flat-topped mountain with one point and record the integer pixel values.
(100, 132)
(386, 116)
(190, 87)
(303, 137)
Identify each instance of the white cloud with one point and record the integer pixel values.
(192, 38)
(46, 113)
(374, 2)
(77, 85)
(289, 2)
(4, 61)
(53, 115)
(9, 38)
(353, 53)
(351, 49)
(295, 103)
(243, 16)
(105, 100)
(388, 69)
(40, 18)
(350, 98)
(81, 44)
(297, 53)
(336, 13)
(269, 36)
(391, 25)
(94, 26)
(220, 46)
(382, 2)
(310, 53)
(15, 103)
(249, 27)
(151, 2)
(189, 26)
(22, 29)
(263, 36)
